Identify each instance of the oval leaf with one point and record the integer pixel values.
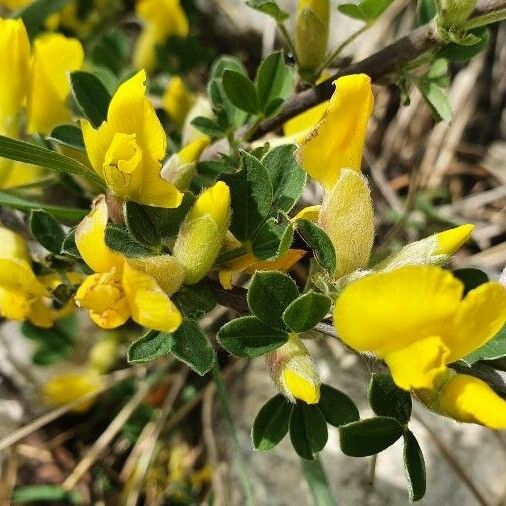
(271, 423)
(319, 242)
(249, 337)
(241, 91)
(387, 399)
(91, 95)
(337, 408)
(414, 464)
(308, 430)
(306, 311)
(45, 229)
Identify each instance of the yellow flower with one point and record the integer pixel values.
(203, 231)
(67, 387)
(347, 217)
(104, 353)
(181, 167)
(337, 142)
(416, 320)
(250, 264)
(22, 295)
(177, 101)
(201, 107)
(127, 148)
(118, 290)
(54, 56)
(163, 19)
(15, 76)
(311, 34)
(435, 249)
(293, 371)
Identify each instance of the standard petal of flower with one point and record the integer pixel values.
(389, 311)
(469, 399)
(14, 304)
(41, 315)
(480, 316)
(18, 275)
(157, 192)
(54, 56)
(348, 218)
(418, 364)
(97, 142)
(149, 304)
(90, 240)
(13, 246)
(338, 140)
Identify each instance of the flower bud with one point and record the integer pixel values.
(177, 100)
(311, 34)
(202, 233)
(181, 167)
(347, 217)
(435, 249)
(293, 371)
(465, 399)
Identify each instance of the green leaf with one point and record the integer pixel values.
(269, 294)
(190, 345)
(274, 80)
(368, 437)
(319, 242)
(287, 177)
(271, 423)
(44, 493)
(270, 8)
(118, 239)
(426, 11)
(208, 126)
(112, 51)
(37, 155)
(251, 197)
(140, 225)
(67, 135)
(337, 408)
(492, 350)
(45, 229)
(273, 239)
(195, 301)
(241, 91)
(249, 337)
(437, 99)
(459, 53)
(34, 14)
(414, 465)
(366, 10)
(306, 311)
(387, 399)
(150, 346)
(472, 278)
(68, 246)
(62, 213)
(168, 221)
(91, 95)
(308, 430)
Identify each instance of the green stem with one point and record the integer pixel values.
(241, 468)
(288, 40)
(486, 19)
(318, 482)
(341, 47)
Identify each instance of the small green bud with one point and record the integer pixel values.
(311, 34)
(202, 233)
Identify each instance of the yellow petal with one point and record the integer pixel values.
(301, 388)
(348, 218)
(390, 310)
(300, 126)
(164, 268)
(157, 192)
(15, 75)
(97, 142)
(449, 241)
(18, 275)
(149, 304)
(418, 364)
(167, 16)
(311, 213)
(41, 315)
(13, 246)
(177, 100)
(214, 202)
(283, 263)
(226, 277)
(103, 295)
(54, 56)
(66, 387)
(480, 316)
(14, 304)
(21, 174)
(338, 140)
(90, 240)
(469, 399)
